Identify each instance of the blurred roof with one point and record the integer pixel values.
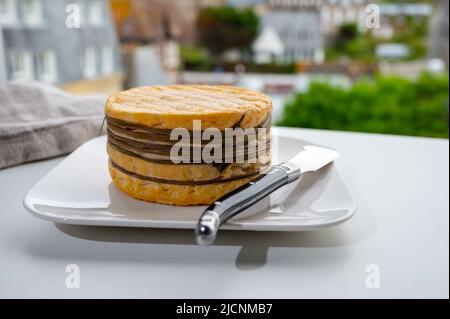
(150, 20)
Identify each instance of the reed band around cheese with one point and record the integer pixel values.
(149, 160)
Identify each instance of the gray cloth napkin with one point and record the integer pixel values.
(40, 121)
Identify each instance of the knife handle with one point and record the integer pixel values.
(240, 199)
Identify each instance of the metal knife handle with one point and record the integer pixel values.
(240, 199)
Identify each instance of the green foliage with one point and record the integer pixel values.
(348, 31)
(390, 105)
(413, 33)
(350, 43)
(273, 67)
(223, 28)
(195, 59)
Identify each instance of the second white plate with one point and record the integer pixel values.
(80, 191)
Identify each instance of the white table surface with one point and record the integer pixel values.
(402, 226)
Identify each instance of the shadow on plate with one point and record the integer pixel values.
(254, 246)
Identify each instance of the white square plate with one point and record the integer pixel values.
(80, 191)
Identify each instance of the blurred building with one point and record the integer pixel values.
(332, 13)
(38, 44)
(335, 13)
(147, 21)
(289, 36)
(155, 24)
(2, 58)
(268, 46)
(260, 7)
(400, 10)
(189, 10)
(393, 17)
(438, 42)
(143, 67)
(151, 32)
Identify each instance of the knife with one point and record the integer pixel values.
(310, 159)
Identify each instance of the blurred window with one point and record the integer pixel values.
(47, 67)
(325, 18)
(361, 19)
(89, 62)
(8, 12)
(351, 15)
(21, 63)
(95, 12)
(338, 17)
(32, 11)
(291, 55)
(107, 63)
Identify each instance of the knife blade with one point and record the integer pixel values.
(311, 158)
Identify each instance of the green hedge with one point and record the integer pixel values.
(284, 68)
(197, 59)
(390, 105)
